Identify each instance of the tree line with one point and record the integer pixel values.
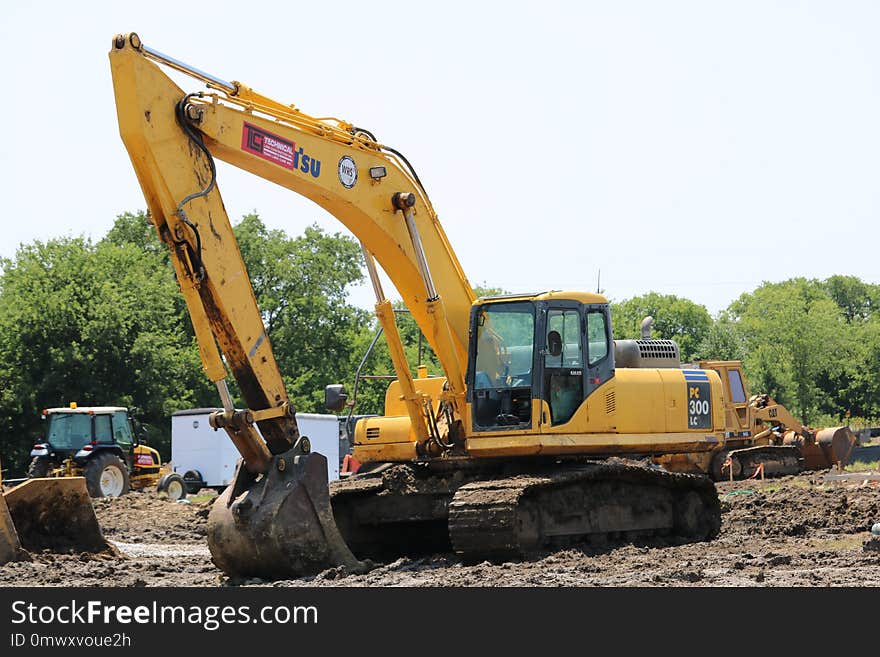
(103, 323)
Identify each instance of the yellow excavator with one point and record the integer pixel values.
(526, 440)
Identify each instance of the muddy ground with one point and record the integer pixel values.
(793, 531)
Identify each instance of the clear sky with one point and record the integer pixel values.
(691, 148)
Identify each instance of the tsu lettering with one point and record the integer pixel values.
(306, 163)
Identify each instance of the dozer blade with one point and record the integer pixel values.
(279, 524)
(56, 514)
(10, 547)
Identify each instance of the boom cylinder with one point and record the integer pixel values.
(385, 314)
(405, 202)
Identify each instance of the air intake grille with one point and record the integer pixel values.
(657, 349)
(372, 432)
(610, 403)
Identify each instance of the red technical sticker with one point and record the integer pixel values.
(144, 459)
(268, 146)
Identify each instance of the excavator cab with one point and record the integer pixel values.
(536, 359)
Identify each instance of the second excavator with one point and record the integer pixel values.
(525, 440)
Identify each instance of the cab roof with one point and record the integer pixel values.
(568, 295)
(96, 410)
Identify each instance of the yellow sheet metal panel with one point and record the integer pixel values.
(395, 405)
(640, 401)
(384, 430)
(568, 295)
(599, 444)
(397, 452)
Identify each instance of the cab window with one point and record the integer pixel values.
(102, 429)
(69, 430)
(597, 337)
(503, 364)
(564, 326)
(563, 364)
(505, 342)
(737, 392)
(122, 428)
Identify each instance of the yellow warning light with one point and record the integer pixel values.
(73, 404)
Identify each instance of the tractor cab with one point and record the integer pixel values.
(100, 443)
(74, 432)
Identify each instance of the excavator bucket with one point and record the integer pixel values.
(10, 546)
(54, 514)
(824, 449)
(278, 525)
(832, 446)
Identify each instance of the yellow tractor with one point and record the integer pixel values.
(761, 436)
(100, 444)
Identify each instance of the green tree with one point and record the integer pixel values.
(105, 324)
(794, 336)
(856, 299)
(301, 285)
(723, 341)
(91, 323)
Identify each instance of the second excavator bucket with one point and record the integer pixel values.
(279, 524)
(824, 449)
(55, 514)
(10, 546)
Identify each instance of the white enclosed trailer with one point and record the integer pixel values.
(206, 458)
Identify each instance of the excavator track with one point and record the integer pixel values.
(608, 501)
(493, 513)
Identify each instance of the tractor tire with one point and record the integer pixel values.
(40, 467)
(106, 475)
(173, 486)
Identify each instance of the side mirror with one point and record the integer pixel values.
(335, 397)
(139, 433)
(554, 343)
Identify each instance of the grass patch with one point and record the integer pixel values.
(201, 497)
(860, 466)
(850, 542)
(773, 485)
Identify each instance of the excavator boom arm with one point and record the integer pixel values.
(341, 169)
(275, 518)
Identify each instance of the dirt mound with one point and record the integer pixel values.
(146, 517)
(799, 506)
